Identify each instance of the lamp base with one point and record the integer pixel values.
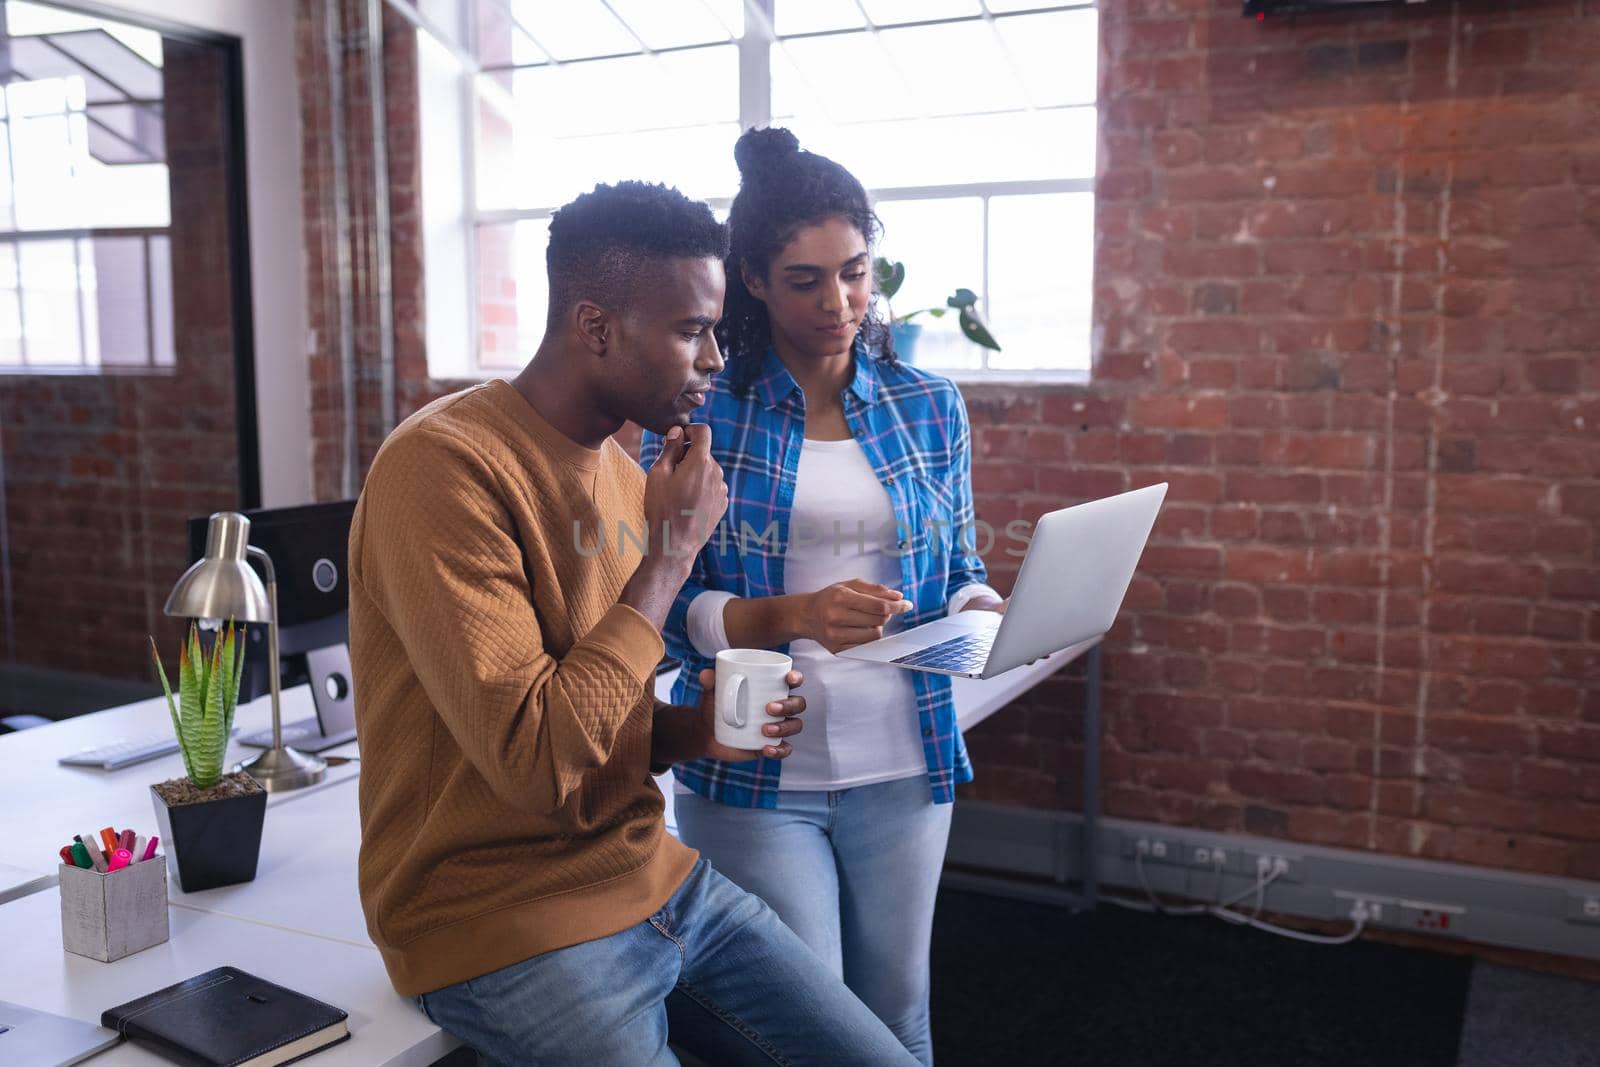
(282, 769)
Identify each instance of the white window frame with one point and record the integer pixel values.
(755, 110)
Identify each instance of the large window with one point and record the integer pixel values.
(972, 122)
(85, 277)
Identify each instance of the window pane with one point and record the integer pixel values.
(122, 305)
(97, 51)
(26, 20)
(1056, 55)
(811, 16)
(1001, 6)
(847, 78)
(500, 40)
(574, 29)
(671, 118)
(1041, 280)
(1027, 145)
(887, 12)
(671, 23)
(50, 302)
(57, 183)
(955, 69)
(513, 291)
(730, 13)
(161, 313)
(941, 244)
(10, 307)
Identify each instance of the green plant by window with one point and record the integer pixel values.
(208, 692)
(890, 275)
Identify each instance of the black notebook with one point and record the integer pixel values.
(228, 1018)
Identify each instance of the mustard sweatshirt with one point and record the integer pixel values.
(503, 697)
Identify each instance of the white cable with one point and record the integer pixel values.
(1194, 909)
(1164, 909)
(1259, 889)
(1125, 902)
(1316, 939)
(1359, 914)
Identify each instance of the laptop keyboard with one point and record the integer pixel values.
(964, 654)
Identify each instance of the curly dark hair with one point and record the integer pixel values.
(783, 188)
(602, 241)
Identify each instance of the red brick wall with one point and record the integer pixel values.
(102, 471)
(323, 240)
(1348, 279)
(1346, 282)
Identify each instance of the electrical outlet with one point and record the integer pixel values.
(1429, 917)
(1583, 908)
(1292, 867)
(1381, 911)
(1153, 849)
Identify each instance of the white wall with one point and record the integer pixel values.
(277, 264)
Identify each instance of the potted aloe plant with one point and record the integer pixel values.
(210, 821)
(889, 275)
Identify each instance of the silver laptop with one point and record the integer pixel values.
(39, 1039)
(1068, 592)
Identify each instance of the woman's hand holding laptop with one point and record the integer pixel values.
(849, 613)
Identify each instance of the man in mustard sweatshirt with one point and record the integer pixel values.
(505, 626)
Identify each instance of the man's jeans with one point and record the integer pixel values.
(714, 970)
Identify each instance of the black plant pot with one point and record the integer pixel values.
(212, 843)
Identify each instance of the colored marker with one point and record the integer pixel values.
(138, 848)
(150, 849)
(95, 855)
(125, 840)
(66, 856)
(108, 840)
(120, 859)
(80, 855)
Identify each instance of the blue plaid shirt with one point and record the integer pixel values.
(912, 425)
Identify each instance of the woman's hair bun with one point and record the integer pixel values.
(758, 151)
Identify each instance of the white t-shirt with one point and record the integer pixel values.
(861, 723)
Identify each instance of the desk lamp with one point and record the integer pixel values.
(223, 586)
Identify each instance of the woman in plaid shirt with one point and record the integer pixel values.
(850, 509)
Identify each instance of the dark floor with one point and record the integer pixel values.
(1018, 984)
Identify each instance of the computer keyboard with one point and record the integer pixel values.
(114, 755)
(965, 654)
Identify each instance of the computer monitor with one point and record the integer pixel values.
(309, 549)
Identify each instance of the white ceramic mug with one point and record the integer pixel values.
(748, 679)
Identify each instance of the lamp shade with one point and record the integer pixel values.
(222, 585)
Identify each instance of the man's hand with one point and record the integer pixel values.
(684, 499)
(849, 613)
(682, 733)
(784, 714)
(684, 495)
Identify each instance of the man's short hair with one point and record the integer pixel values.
(604, 240)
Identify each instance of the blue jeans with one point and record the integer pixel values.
(714, 969)
(854, 872)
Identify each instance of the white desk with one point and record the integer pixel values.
(44, 803)
(386, 1030)
(299, 923)
(20, 881)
